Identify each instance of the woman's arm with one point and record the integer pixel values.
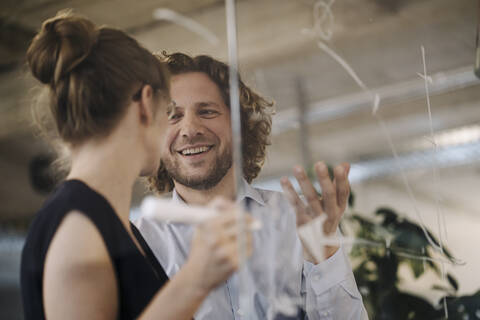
(79, 278)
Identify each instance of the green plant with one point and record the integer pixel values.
(401, 241)
(391, 241)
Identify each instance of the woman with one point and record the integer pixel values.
(82, 259)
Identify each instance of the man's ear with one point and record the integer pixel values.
(146, 105)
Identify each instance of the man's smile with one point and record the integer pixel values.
(194, 152)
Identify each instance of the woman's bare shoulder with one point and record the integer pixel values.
(79, 278)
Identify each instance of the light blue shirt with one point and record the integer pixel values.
(325, 291)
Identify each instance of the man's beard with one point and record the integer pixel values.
(207, 181)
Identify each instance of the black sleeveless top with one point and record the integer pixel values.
(138, 277)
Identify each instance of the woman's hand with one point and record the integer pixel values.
(215, 251)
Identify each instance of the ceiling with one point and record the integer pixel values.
(279, 55)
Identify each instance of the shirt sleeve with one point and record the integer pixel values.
(330, 291)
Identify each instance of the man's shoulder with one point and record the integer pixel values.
(267, 194)
(266, 191)
(145, 222)
(272, 197)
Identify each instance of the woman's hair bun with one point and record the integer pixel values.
(63, 42)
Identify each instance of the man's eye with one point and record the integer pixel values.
(174, 116)
(208, 112)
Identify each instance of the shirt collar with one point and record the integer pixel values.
(247, 192)
(251, 193)
(176, 197)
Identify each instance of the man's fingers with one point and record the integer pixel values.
(291, 194)
(341, 184)
(295, 201)
(329, 194)
(308, 190)
(346, 167)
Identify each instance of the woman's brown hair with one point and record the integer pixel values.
(92, 72)
(256, 114)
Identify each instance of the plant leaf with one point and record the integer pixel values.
(417, 268)
(453, 282)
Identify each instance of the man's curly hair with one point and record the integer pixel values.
(256, 114)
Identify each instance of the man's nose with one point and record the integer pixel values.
(191, 126)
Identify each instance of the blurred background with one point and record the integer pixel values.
(322, 113)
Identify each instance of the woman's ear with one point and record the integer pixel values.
(146, 105)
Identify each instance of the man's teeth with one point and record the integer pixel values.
(189, 151)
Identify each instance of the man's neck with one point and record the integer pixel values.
(225, 188)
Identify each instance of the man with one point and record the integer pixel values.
(197, 166)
